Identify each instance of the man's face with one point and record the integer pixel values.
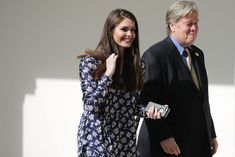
(185, 30)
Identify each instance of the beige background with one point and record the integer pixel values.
(40, 99)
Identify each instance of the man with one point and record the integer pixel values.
(175, 74)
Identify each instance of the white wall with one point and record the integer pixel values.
(40, 97)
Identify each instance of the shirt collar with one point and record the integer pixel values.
(178, 46)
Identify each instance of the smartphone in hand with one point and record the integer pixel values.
(163, 109)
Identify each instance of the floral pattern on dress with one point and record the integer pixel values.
(110, 119)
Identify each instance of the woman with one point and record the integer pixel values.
(111, 78)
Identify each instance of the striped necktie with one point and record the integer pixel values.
(191, 67)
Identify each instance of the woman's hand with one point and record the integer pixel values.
(153, 113)
(111, 65)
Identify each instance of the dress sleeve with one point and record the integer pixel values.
(140, 106)
(94, 91)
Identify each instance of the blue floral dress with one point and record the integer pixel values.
(110, 119)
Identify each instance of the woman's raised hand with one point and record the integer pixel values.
(111, 65)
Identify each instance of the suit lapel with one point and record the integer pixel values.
(183, 71)
(177, 60)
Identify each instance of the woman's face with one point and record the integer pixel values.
(124, 33)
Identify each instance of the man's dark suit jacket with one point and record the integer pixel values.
(168, 81)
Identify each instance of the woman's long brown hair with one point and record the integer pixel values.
(131, 75)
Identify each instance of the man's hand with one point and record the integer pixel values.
(214, 146)
(170, 146)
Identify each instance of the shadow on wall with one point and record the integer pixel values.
(38, 39)
(52, 113)
(33, 109)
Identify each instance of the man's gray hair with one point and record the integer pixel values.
(178, 10)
